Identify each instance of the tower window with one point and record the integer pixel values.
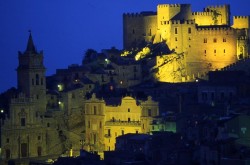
(214, 50)
(100, 124)
(37, 79)
(215, 40)
(109, 132)
(176, 39)
(205, 51)
(122, 132)
(128, 109)
(189, 30)
(205, 40)
(175, 31)
(224, 40)
(224, 51)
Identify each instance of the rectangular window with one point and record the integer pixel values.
(129, 119)
(128, 109)
(122, 132)
(23, 123)
(215, 40)
(175, 31)
(149, 112)
(224, 51)
(189, 30)
(224, 40)
(109, 132)
(176, 39)
(205, 51)
(214, 50)
(205, 40)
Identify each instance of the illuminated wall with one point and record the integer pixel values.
(206, 38)
(103, 123)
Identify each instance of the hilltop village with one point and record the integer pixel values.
(178, 93)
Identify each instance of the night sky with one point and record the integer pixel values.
(65, 29)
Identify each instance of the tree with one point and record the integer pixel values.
(89, 55)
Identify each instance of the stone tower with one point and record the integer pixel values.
(31, 75)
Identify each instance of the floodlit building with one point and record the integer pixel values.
(201, 41)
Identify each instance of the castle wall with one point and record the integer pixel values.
(138, 28)
(215, 48)
(222, 12)
(241, 22)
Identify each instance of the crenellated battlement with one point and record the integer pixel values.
(168, 5)
(216, 6)
(243, 38)
(176, 22)
(217, 28)
(207, 13)
(141, 14)
(241, 17)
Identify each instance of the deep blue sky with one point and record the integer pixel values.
(65, 29)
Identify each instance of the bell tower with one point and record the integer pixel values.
(31, 75)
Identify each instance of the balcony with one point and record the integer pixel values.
(123, 123)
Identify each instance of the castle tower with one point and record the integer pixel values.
(31, 75)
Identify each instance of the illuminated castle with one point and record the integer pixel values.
(206, 40)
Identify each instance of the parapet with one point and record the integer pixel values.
(141, 14)
(217, 6)
(203, 13)
(241, 17)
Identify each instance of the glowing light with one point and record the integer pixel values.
(60, 87)
(59, 102)
(2, 111)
